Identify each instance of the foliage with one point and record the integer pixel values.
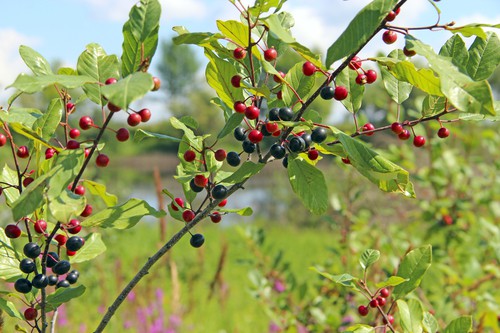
(270, 112)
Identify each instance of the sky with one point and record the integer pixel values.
(60, 29)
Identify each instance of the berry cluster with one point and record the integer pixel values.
(378, 301)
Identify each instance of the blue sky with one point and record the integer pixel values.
(61, 29)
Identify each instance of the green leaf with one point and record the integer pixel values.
(308, 182)
(9, 263)
(100, 191)
(391, 282)
(432, 105)
(368, 258)
(234, 121)
(483, 57)
(459, 325)
(345, 280)
(275, 25)
(35, 61)
(247, 211)
(63, 295)
(411, 315)
(69, 163)
(361, 28)
(140, 36)
(398, 90)
(33, 84)
(302, 85)
(9, 176)
(47, 124)
(24, 116)
(66, 205)
(218, 74)
(141, 134)
(413, 267)
(245, 171)
(464, 93)
(360, 328)
(93, 247)
(124, 216)
(10, 309)
(388, 176)
(429, 323)
(234, 30)
(263, 6)
(473, 29)
(29, 134)
(94, 62)
(192, 140)
(204, 39)
(455, 49)
(128, 89)
(347, 78)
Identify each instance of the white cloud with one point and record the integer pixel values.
(182, 9)
(115, 10)
(11, 63)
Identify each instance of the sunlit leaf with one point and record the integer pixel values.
(413, 267)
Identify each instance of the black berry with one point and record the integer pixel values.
(327, 92)
(233, 159)
(274, 114)
(62, 284)
(239, 133)
(319, 134)
(32, 250)
(278, 151)
(249, 147)
(52, 280)
(62, 267)
(197, 240)
(72, 278)
(286, 114)
(27, 265)
(296, 144)
(40, 281)
(219, 192)
(194, 187)
(23, 286)
(74, 243)
(52, 259)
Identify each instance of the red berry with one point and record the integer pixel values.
(113, 108)
(397, 11)
(87, 152)
(3, 140)
(156, 83)
(145, 115)
(216, 217)
(389, 37)
(40, 226)
(279, 95)
(270, 54)
(222, 203)
(308, 68)
(79, 190)
(390, 318)
(252, 112)
(86, 122)
(102, 160)
(239, 107)
(408, 53)
(73, 144)
(70, 107)
(384, 292)
(60, 239)
(111, 80)
(368, 127)
(346, 160)
(397, 128)
(70, 253)
(22, 152)
(188, 215)
(73, 226)
(340, 93)
(27, 181)
(87, 211)
(49, 153)
(272, 127)
(236, 81)
(418, 141)
(355, 63)
(179, 202)
(363, 310)
(12, 231)
(277, 78)
(277, 133)
(74, 133)
(313, 154)
(381, 301)
(200, 180)
(30, 314)
(239, 53)
(447, 219)
(255, 136)
(443, 132)
(391, 16)
(189, 155)
(373, 303)
(220, 155)
(371, 76)
(404, 135)
(134, 119)
(361, 79)
(122, 134)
